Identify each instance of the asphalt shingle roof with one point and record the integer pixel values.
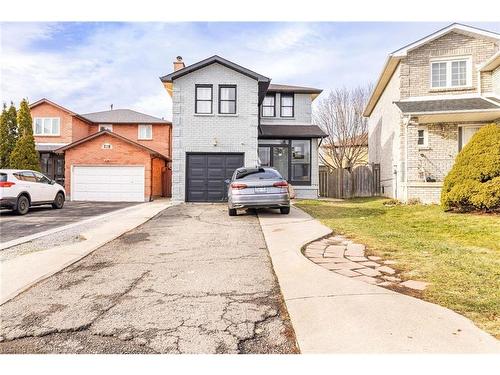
(290, 88)
(124, 116)
(443, 105)
(291, 131)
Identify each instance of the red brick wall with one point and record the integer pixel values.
(71, 129)
(122, 153)
(160, 141)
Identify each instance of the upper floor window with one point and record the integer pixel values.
(286, 101)
(47, 126)
(203, 99)
(227, 99)
(451, 73)
(269, 106)
(108, 127)
(145, 132)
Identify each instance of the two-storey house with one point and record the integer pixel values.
(226, 116)
(115, 155)
(430, 98)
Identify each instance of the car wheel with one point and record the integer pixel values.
(284, 210)
(232, 212)
(59, 201)
(23, 205)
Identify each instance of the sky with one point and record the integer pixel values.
(86, 67)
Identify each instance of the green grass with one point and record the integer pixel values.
(459, 254)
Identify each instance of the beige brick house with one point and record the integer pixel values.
(430, 98)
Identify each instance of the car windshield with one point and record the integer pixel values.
(3, 177)
(258, 174)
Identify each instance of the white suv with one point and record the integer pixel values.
(20, 189)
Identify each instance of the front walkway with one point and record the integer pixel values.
(332, 313)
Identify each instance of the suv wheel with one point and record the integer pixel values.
(59, 201)
(284, 210)
(23, 205)
(232, 211)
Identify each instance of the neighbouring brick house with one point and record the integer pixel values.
(226, 116)
(116, 155)
(431, 97)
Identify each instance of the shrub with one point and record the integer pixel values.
(413, 201)
(392, 202)
(474, 181)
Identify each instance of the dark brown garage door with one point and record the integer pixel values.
(206, 173)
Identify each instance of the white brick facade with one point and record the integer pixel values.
(212, 133)
(222, 133)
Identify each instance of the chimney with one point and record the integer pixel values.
(178, 63)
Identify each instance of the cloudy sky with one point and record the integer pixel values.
(88, 66)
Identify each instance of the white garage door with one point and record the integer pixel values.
(108, 184)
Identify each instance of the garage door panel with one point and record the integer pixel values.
(206, 173)
(108, 183)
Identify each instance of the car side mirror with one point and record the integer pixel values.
(52, 182)
(227, 181)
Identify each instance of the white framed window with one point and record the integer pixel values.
(105, 127)
(145, 132)
(422, 137)
(50, 126)
(107, 146)
(451, 73)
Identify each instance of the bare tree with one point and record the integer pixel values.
(340, 115)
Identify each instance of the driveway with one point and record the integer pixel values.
(191, 280)
(40, 219)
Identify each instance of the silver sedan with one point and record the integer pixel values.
(257, 188)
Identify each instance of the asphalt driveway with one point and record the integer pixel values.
(191, 280)
(40, 219)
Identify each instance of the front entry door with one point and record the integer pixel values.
(280, 160)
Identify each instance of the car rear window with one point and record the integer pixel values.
(259, 175)
(3, 177)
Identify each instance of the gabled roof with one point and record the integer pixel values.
(123, 116)
(263, 81)
(47, 101)
(211, 60)
(297, 89)
(395, 57)
(454, 27)
(103, 132)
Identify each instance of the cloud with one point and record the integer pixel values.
(88, 66)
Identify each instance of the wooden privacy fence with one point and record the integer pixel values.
(362, 181)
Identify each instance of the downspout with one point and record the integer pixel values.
(151, 180)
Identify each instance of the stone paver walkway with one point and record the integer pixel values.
(343, 256)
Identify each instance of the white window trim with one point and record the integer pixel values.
(42, 134)
(139, 132)
(426, 137)
(107, 146)
(109, 126)
(448, 61)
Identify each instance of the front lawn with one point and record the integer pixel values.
(458, 254)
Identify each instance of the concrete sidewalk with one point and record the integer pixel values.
(332, 313)
(22, 272)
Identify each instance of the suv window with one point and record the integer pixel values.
(3, 177)
(42, 178)
(26, 176)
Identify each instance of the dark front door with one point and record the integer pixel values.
(52, 165)
(205, 175)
